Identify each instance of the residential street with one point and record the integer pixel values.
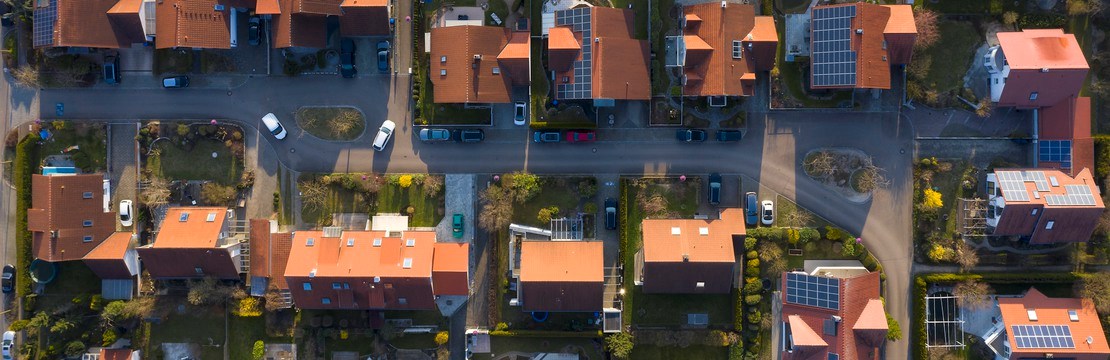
(770, 152)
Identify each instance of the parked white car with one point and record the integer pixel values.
(8, 344)
(274, 126)
(126, 213)
(767, 216)
(384, 133)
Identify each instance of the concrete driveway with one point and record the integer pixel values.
(460, 197)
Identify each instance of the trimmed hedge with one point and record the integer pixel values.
(23, 167)
(625, 253)
(546, 334)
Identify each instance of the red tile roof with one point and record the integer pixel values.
(451, 269)
(364, 18)
(331, 256)
(691, 240)
(1042, 48)
(193, 24)
(191, 227)
(463, 82)
(710, 68)
(109, 260)
(561, 261)
(268, 7)
(59, 207)
(269, 252)
(859, 299)
(113, 248)
(98, 23)
(1054, 311)
(319, 7)
(901, 20)
(619, 62)
(115, 354)
(875, 48)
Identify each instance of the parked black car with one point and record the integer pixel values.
(111, 70)
(7, 280)
(690, 135)
(254, 31)
(729, 135)
(470, 135)
(714, 189)
(173, 82)
(383, 56)
(610, 213)
(347, 58)
(547, 136)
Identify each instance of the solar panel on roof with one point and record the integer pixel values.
(1013, 186)
(582, 74)
(1037, 178)
(43, 28)
(834, 62)
(1043, 336)
(812, 290)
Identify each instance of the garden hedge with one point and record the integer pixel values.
(23, 167)
(547, 334)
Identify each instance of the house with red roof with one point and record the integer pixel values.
(1035, 326)
(194, 243)
(593, 56)
(559, 276)
(110, 24)
(1043, 70)
(1046, 206)
(478, 64)
(374, 270)
(690, 256)
(721, 48)
(269, 254)
(836, 315)
(304, 23)
(854, 45)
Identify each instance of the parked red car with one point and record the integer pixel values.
(577, 136)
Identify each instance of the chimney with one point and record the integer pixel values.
(859, 31)
(685, 257)
(724, 4)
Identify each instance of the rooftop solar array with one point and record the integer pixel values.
(834, 62)
(1057, 151)
(43, 33)
(1043, 336)
(809, 290)
(580, 87)
(1077, 195)
(1013, 186)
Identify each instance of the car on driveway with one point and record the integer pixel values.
(7, 280)
(751, 209)
(347, 58)
(729, 135)
(768, 210)
(175, 82)
(111, 70)
(274, 126)
(457, 225)
(520, 113)
(714, 189)
(547, 136)
(434, 135)
(384, 133)
(690, 135)
(254, 31)
(580, 136)
(383, 56)
(610, 213)
(470, 135)
(7, 345)
(126, 213)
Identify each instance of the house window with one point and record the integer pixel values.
(407, 263)
(1049, 225)
(183, 218)
(1073, 315)
(199, 270)
(87, 238)
(346, 285)
(884, 44)
(402, 301)
(307, 286)
(443, 59)
(310, 242)
(87, 195)
(388, 286)
(86, 223)
(326, 301)
(1033, 96)
(410, 242)
(1034, 212)
(496, 70)
(442, 72)
(737, 50)
(377, 242)
(335, 285)
(211, 217)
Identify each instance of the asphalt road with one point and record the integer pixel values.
(771, 152)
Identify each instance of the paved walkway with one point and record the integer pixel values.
(123, 164)
(1003, 123)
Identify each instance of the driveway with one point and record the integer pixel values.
(123, 164)
(460, 197)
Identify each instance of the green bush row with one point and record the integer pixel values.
(546, 334)
(625, 252)
(25, 152)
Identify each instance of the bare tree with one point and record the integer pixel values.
(870, 177)
(1010, 18)
(216, 194)
(966, 257)
(985, 108)
(769, 251)
(27, 76)
(345, 122)
(654, 205)
(821, 165)
(155, 192)
(433, 184)
(1084, 7)
(497, 208)
(314, 194)
(927, 31)
(274, 300)
(972, 294)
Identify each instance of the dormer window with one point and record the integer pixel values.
(87, 195)
(87, 223)
(1033, 96)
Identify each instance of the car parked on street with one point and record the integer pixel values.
(690, 135)
(751, 209)
(520, 113)
(611, 213)
(470, 135)
(457, 225)
(580, 136)
(768, 210)
(384, 133)
(547, 136)
(126, 213)
(175, 82)
(111, 70)
(729, 135)
(434, 135)
(254, 31)
(347, 58)
(714, 189)
(7, 279)
(7, 345)
(274, 126)
(383, 56)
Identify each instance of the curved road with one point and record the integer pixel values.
(770, 151)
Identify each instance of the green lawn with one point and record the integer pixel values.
(671, 309)
(363, 345)
(701, 352)
(244, 332)
(540, 86)
(331, 123)
(91, 140)
(173, 61)
(658, 37)
(588, 347)
(414, 341)
(952, 56)
(556, 321)
(560, 192)
(176, 163)
(199, 325)
(339, 200)
(394, 199)
(74, 278)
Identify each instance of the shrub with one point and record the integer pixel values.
(404, 181)
(938, 253)
(753, 299)
(248, 307)
(835, 234)
(75, 348)
(753, 263)
(619, 344)
(894, 330)
(755, 318)
(216, 194)
(441, 338)
(26, 150)
(109, 337)
(806, 235)
(850, 248)
(182, 129)
(931, 200)
(546, 214)
(259, 350)
(96, 302)
(19, 325)
(752, 255)
(501, 327)
(752, 287)
(749, 242)
(590, 208)
(792, 236)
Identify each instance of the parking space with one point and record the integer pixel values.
(459, 198)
